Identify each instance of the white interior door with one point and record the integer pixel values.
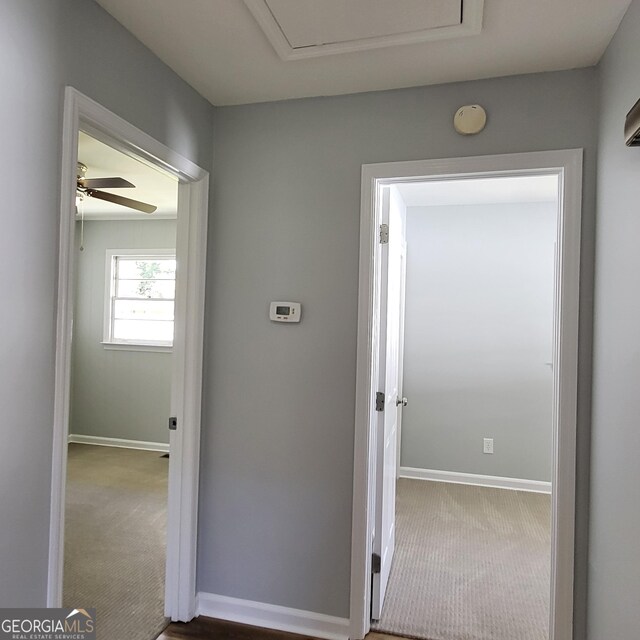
(391, 326)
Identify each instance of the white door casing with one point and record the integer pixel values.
(567, 166)
(391, 324)
(80, 112)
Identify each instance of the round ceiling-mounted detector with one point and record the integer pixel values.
(470, 119)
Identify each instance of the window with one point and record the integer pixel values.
(140, 295)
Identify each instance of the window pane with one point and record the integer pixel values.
(146, 289)
(142, 269)
(143, 330)
(142, 310)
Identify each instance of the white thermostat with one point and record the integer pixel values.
(285, 311)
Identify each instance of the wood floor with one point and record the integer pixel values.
(208, 629)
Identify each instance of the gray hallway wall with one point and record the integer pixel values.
(277, 450)
(614, 563)
(45, 45)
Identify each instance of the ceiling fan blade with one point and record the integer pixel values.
(105, 183)
(125, 202)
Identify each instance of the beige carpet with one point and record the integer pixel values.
(471, 563)
(115, 539)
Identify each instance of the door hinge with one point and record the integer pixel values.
(379, 401)
(376, 563)
(173, 423)
(384, 234)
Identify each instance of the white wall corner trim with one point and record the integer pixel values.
(122, 443)
(516, 484)
(271, 616)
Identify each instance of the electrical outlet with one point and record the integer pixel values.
(488, 445)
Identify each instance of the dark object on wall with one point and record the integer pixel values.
(632, 126)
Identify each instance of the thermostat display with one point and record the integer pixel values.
(285, 311)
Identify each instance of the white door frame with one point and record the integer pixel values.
(567, 165)
(82, 113)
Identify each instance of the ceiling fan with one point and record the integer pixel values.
(90, 187)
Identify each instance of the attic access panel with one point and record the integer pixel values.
(308, 28)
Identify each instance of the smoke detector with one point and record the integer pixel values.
(470, 119)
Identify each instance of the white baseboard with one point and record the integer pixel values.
(119, 442)
(270, 616)
(536, 486)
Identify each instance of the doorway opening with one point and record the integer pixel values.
(131, 286)
(117, 472)
(493, 355)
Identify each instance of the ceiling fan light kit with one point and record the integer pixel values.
(91, 187)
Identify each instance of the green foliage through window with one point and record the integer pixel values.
(149, 271)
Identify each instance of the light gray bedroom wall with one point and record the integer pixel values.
(478, 339)
(277, 450)
(116, 394)
(614, 563)
(44, 45)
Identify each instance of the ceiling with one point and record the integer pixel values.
(151, 185)
(504, 190)
(219, 48)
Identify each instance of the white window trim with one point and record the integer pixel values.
(109, 282)
(135, 346)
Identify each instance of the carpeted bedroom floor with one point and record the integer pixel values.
(471, 563)
(116, 511)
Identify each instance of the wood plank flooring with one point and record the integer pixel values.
(208, 629)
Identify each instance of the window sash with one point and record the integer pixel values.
(114, 322)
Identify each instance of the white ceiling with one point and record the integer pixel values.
(219, 48)
(480, 191)
(151, 185)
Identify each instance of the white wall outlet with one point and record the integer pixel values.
(488, 445)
